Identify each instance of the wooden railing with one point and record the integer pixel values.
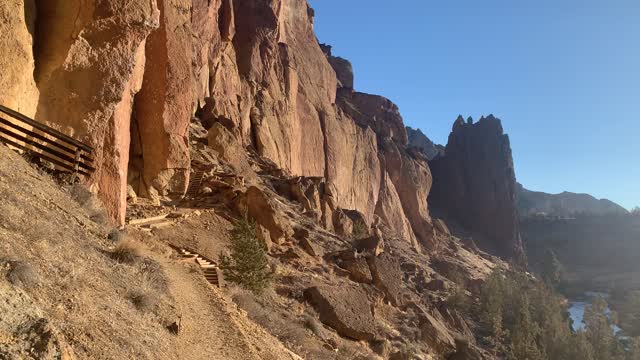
(66, 153)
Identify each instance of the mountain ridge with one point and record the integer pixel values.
(564, 204)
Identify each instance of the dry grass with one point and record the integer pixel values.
(80, 291)
(90, 203)
(22, 274)
(127, 252)
(144, 301)
(115, 235)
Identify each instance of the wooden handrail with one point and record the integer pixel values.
(73, 155)
(42, 138)
(46, 129)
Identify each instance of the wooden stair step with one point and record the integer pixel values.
(147, 220)
(160, 225)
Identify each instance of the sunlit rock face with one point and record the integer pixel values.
(90, 60)
(127, 77)
(17, 26)
(474, 183)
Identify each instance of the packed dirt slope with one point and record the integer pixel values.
(62, 295)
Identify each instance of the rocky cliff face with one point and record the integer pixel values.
(128, 76)
(474, 184)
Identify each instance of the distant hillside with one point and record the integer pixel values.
(564, 204)
(418, 139)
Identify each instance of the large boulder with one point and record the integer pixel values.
(344, 308)
(225, 144)
(258, 206)
(435, 333)
(475, 184)
(358, 269)
(387, 276)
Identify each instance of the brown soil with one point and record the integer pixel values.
(76, 301)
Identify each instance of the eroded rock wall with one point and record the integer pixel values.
(127, 76)
(164, 105)
(88, 71)
(17, 26)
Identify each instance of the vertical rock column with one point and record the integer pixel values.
(163, 108)
(475, 184)
(89, 63)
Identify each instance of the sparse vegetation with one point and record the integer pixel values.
(524, 319)
(144, 301)
(88, 201)
(247, 264)
(22, 274)
(458, 298)
(359, 229)
(126, 251)
(115, 235)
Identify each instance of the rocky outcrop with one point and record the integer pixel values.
(474, 184)
(435, 333)
(376, 112)
(163, 107)
(411, 176)
(258, 206)
(353, 167)
(88, 72)
(289, 84)
(342, 67)
(387, 276)
(389, 209)
(419, 140)
(229, 150)
(346, 309)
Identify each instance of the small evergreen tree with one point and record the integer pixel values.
(524, 334)
(634, 349)
(490, 311)
(551, 269)
(247, 264)
(599, 331)
(631, 309)
(577, 347)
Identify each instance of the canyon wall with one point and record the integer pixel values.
(127, 77)
(475, 185)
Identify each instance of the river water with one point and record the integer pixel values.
(577, 307)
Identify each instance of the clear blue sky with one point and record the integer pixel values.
(563, 75)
